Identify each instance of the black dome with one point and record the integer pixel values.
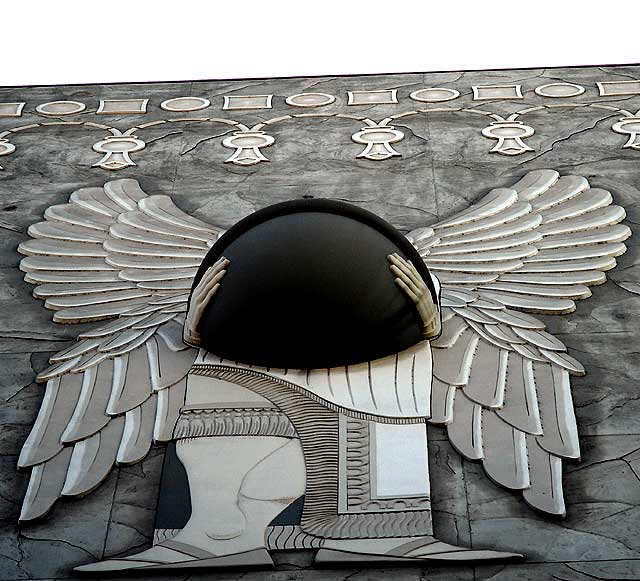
(309, 286)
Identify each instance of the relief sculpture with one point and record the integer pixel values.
(292, 364)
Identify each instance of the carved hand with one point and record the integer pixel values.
(410, 281)
(202, 294)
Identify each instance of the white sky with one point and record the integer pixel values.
(71, 41)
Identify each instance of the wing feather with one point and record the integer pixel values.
(162, 208)
(45, 485)
(495, 201)
(92, 459)
(560, 436)
(70, 232)
(44, 247)
(560, 191)
(442, 397)
(520, 408)
(522, 238)
(535, 183)
(95, 200)
(534, 304)
(155, 250)
(524, 224)
(499, 392)
(488, 375)
(545, 492)
(78, 216)
(90, 413)
(615, 233)
(138, 432)
(45, 438)
(452, 365)
(131, 383)
(67, 301)
(167, 366)
(144, 223)
(168, 409)
(589, 200)
(505, 452)
(575, 291)
(68, 278)
(465, 429)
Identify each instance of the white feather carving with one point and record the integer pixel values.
(110, 253)
(501, 382)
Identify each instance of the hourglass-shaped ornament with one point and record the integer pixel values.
(509, 135)
(6, 148)
(378, 142)
(247, 146)
(629, 126)
(116, 149)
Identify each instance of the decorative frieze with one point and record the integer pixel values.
(311, 99)
(378, 137)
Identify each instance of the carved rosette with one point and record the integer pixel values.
(509, 135)
(247, 146)
(116, 149)
(378, 142)
(6, 148)
(629, 126)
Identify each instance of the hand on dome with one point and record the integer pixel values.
(202, 294)
(410, 281)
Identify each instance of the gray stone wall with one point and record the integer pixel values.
(445, 164)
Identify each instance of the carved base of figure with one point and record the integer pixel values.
(407, 550)
(234, 496)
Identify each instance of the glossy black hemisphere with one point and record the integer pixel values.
(309, 286)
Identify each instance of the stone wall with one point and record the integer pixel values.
(445, 163)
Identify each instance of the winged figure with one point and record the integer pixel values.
(485, 369)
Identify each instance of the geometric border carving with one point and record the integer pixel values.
(122, 107)
(555, 90)
(485, 92)
(434, 95)
(182, 104)
(232, 102)
(61, 108)
(382, 97)
(614, 88)
(11, 109)
(310, 100)
(357, 475)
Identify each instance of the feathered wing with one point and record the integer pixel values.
(110, 253)
(501, 383)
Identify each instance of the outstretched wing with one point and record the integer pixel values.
(111, 252)
(501, 383)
